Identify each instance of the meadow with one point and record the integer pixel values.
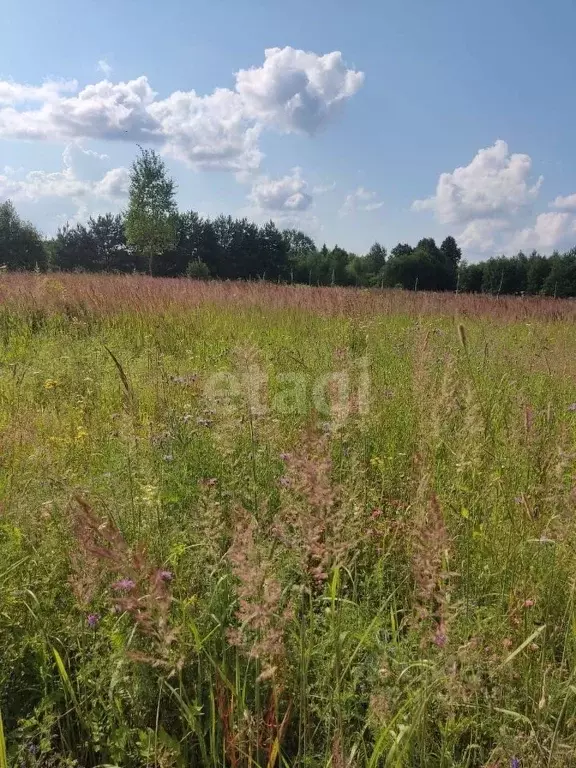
(261, 526)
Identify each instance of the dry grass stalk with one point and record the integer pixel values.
(312, 522)
(261, 616)
(140, 589)
(430, 546)
(79, 295)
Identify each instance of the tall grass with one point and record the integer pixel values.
(190, 577)
(83, 295)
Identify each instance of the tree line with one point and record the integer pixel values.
(152, 236)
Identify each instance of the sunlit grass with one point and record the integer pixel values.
(194, 579)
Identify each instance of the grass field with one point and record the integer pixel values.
(253, 525)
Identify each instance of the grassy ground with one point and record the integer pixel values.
(259, 526)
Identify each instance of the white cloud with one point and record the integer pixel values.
(296, 90)
(100, 111)
(91, 152)
(288, 193)
(481, 235)
(114, 184)
(567, 203)
(360, 200)
(18, 93)
(36, 185)
(495, 184)
(293, 90)
(484, 198)
(208, 132)
(104, 67)
(551, 230)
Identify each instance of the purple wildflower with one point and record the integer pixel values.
(166, 575)
(571, 407)
(203, 422)
(124, 585)
(514, 763)
(285, 482)
(284, 456)
(440, 639)
(93, 620)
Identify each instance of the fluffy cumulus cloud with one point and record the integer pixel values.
(293, 91)
(360, 200)
(296, 90)
(66, 183)
(494, 185)
(287, 194)
(208, 132)
(551, 230)
(100, 111)
(483, 198)
(482, 235)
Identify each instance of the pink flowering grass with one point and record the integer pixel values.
(209, 558)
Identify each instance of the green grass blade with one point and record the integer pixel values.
(3, 754)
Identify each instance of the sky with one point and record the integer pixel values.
(354, 121)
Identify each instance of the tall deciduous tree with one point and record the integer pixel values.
(21, 246)
(151, 217)
(375, 261)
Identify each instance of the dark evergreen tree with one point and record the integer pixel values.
(273, 252)
(450, 251)
(75, 249)
(111, 251)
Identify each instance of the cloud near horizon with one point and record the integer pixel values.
(36, 185)
(484, 199)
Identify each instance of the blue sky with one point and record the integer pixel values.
(353, 121)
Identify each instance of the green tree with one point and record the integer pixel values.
(470, 277)
(450, 251)
(505, 276)
(402, 249)
(561, 280)
(538, 269)
(21, 246)
(238, 244)
(375, 261)
(151, 217)
(74, 249)
(301, 251)
(109, 244)
(197, 270)
(273, 252)
(187, 245)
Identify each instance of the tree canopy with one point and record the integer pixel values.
(151, 217)
(153, 236)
